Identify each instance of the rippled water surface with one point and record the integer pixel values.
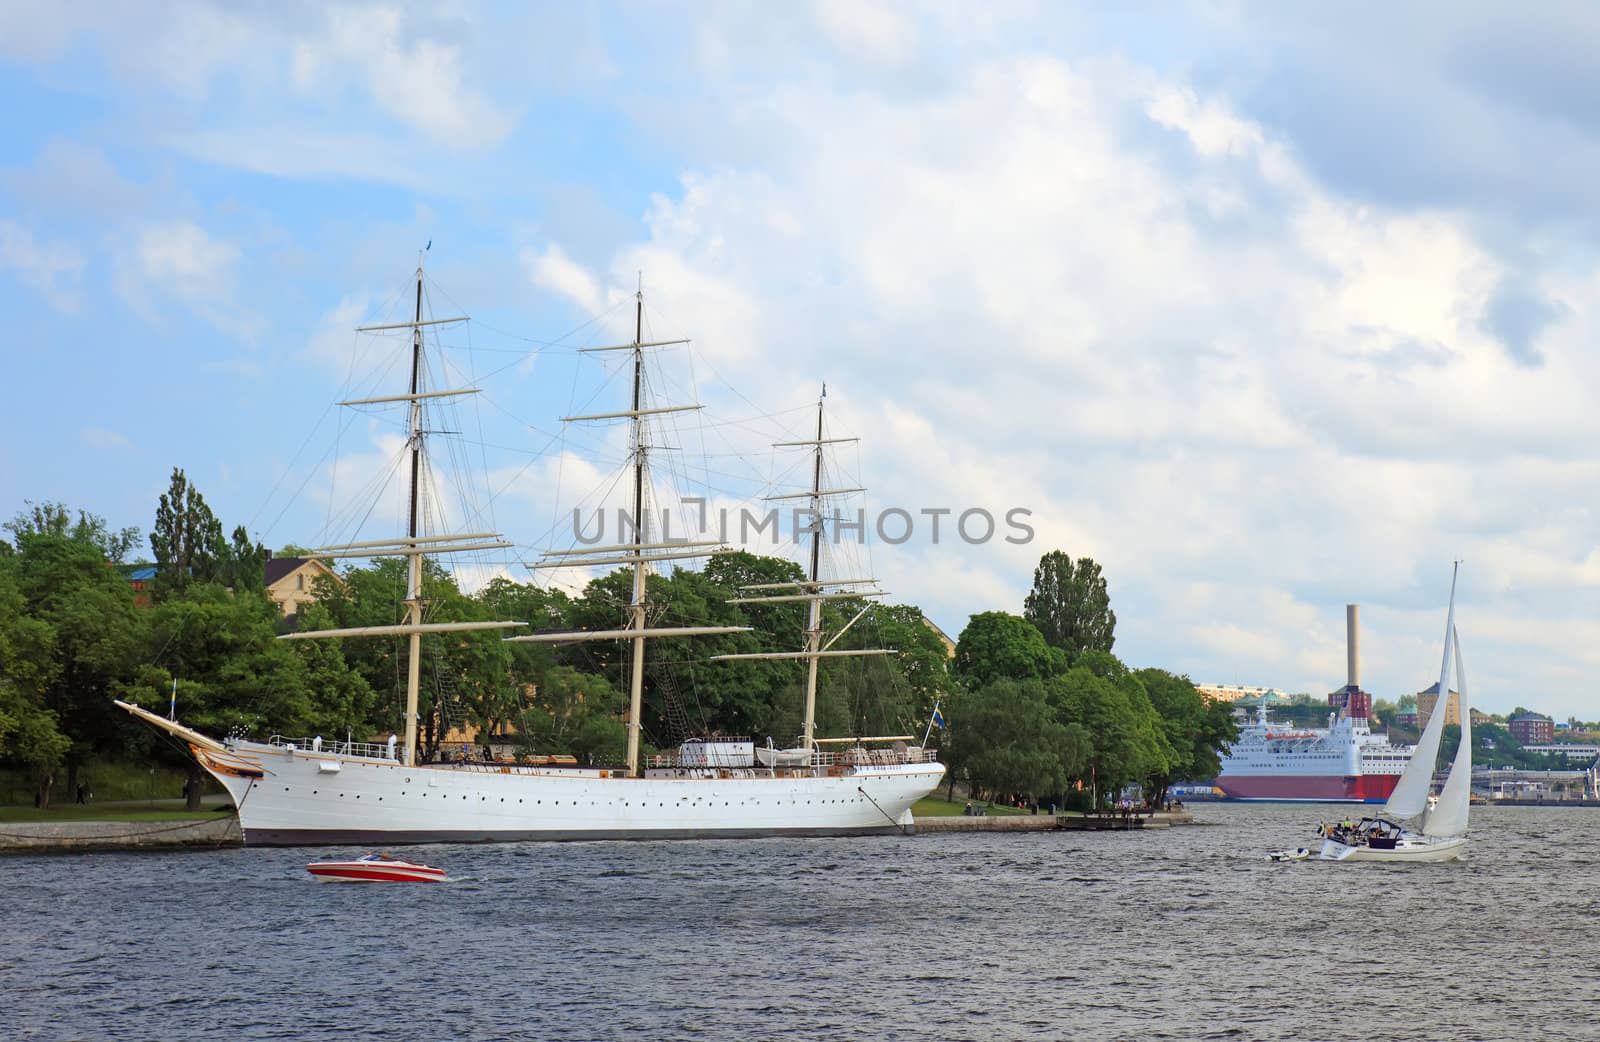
(1187, 933)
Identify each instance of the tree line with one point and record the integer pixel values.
(1035, 705)
(1043, 710)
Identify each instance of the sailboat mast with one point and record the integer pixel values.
(414, 561)
(814, 609)
(636, 608)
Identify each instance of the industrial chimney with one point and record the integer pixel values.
(1352, 629)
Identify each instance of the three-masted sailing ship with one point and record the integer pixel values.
(305, 791)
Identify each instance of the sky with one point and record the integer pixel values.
(1266, 309)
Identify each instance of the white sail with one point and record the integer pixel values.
(1449, 818)
(1410, 796)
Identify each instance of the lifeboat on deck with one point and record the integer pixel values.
(374, 868)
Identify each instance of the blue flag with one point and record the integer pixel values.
(938, 718)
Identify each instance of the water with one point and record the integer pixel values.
(1183, 934)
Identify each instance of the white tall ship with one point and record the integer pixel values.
(304, 792)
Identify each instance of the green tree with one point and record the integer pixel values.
(464, 678)
(55, 519)
(999, 646)
(234, 675)
(29, 731)
(1197, 731)
(244, 563)
(94, 634)
(1070, 606)
(1011, 742)
(576, 713)
(1129, 745)
(187, 539)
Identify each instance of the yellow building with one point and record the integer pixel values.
(1234, 692)
(291, 581)
(944, 638)
(1426, 700)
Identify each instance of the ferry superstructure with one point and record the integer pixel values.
(1343, 763)
(1346, 762)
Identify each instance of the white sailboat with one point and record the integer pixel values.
(305, 792)
(1415, 826)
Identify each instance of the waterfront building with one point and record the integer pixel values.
(291, 581)
(1240, 694)
(1428, 698)
(1532, 727)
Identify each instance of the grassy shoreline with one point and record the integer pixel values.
(126, 810)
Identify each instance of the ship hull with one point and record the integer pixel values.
(1302, 788)
(300, 799)
(1410, 849)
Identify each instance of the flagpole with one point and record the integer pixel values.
(931, 719)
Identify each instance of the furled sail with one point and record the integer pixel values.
(1410, 796)
(1449, 818)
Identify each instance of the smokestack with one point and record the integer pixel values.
(1352, 629)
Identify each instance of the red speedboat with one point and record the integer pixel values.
(374, 868)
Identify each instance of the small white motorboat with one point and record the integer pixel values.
(1299, 854)
(374, 868)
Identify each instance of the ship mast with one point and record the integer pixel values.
(414, 545)
(814, 590)
(814, 608)
(414, 562)
(636, 607)
(639, 553)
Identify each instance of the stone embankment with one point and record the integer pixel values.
(220, 831)
(1053, 822)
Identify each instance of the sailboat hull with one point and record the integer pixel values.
(301, 798)
(1409, 849)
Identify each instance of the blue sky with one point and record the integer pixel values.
(1267, 310)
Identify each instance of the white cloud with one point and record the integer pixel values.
(72, 177)
(552, 270)
(100, 438)
(415, 79)
(1227, 371)
(289, 150)
(335, 344)
(53, 268)
(185, 258)
(181, 260)
(867, 29)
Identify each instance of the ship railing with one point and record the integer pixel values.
(318, 744)
(865, 756)
(855, 756)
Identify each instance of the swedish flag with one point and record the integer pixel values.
(938, 718)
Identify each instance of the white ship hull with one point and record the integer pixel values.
(302, 798)
(1410, 848)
